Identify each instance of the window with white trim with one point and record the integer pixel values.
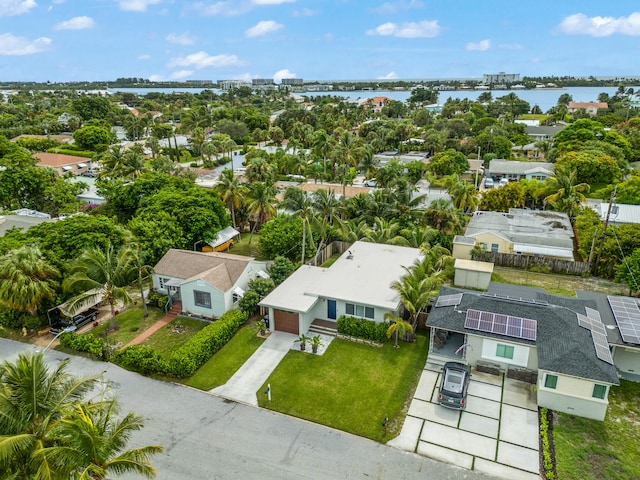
(550, 381)
(161, 282)
(504, 351)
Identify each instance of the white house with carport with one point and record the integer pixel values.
(556, 342)
(206, 283)
(358, 284)
(514, 170)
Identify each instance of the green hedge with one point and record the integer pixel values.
(86, 343)
(190, 356)
(75, 153)
(361, 328)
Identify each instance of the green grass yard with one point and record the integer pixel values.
(173, 335)
(130, 323)
(223, 364)
(241, 246)
(352, 387)
(592, 450)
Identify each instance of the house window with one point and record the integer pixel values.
(550, 381)
(359, 310)
(504, 351)
(161, 282)
(202, 299)
(483, 246)
(495, 247)
(236, 298)
(599, 391)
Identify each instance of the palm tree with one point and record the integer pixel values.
(568, 195)
(113, 161)
(104, 273)
(91, 443)
(322, 145)
(465, 196)
(232, 191)
(261, 199)
(398, 327)
(32, 400)
(143, 270)
(443, 216)
(300, 206)
(26, 279)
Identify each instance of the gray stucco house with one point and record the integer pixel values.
(206, 283)
(557, 341)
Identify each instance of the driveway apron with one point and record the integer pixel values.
(249, 378)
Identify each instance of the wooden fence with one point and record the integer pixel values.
(528, 261)
(327, 252)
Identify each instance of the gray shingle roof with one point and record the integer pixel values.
(562, 345)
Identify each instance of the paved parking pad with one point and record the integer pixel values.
(497, 434)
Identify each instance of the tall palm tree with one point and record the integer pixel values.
(26, 279)
(143, 271)
(104, 273)
(232, 191)
(261, 199)
(32, 400)
(300, 206)
(465, 196)
(443, 216)
(91, 444)
(397, 328)
(568, 196)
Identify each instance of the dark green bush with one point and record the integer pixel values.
(86, 343)
(141, 358)
(193, 354)
(362, 328)
(156, 298)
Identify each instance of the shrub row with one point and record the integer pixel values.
(86, 343)
(362, 328)
(70, 151)
(190, 356)
(548, 466)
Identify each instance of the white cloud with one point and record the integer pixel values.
(228, 8)
(284, 73)
(156, 78)
(136, 5)
(481, 46)
(9, 8)
(12, 45)
(180, 39)
(203, 60)
(388, 76)
(395, 7)
(580, 24)
(76, 23)
(423, 29)
(271, 2)
(263, 28)
(144, 56)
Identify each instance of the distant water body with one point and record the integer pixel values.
(545, 98)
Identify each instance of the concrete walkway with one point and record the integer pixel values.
(249, 378)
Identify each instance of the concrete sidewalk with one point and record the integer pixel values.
(249, 378)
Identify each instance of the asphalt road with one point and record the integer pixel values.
(206, 437)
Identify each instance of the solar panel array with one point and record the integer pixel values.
(627, 315)
(593, 323)
(449, 300)
(516, 327)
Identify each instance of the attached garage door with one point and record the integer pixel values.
(286, 321)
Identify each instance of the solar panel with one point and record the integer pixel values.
(591, 324)
(593, 314)
(627, 314)
(602, 347)
(449, 300)
(523, 328)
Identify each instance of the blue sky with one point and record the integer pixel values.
(75, 40)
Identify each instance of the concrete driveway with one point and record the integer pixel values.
(497, 434)
(254, 372)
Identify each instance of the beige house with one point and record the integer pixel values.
(554, 342)
(518, 232)
(590, 107)
(63, 163)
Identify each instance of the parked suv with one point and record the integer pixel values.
(59, 321)
(488, 183)
(454, 385)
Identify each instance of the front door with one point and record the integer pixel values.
(331, 309)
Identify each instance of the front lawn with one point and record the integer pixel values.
(352, 387)
(130, 323)
(223, 364)
(173, 335)
(592, 450)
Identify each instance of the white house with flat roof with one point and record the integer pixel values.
(358, 284)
